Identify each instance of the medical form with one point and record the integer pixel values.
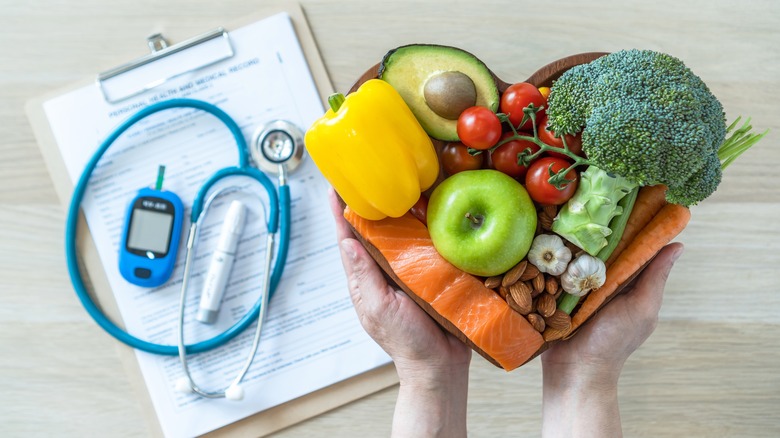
(312, 337)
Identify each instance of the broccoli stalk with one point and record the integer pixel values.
(585, 219)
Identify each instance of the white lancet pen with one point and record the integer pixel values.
(221, 263)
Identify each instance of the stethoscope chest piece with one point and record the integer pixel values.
(277, 143)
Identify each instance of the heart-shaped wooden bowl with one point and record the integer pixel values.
(542, 77)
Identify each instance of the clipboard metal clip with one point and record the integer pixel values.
(156, 42)
(165, 62)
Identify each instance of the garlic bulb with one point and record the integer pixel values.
(584, 274)
(549, 254)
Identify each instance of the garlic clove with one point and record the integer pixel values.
(549, 254)
(584, 274)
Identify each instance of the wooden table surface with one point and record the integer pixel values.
(712, 368)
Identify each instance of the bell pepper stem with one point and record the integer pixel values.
(335, 101)
(568, 302)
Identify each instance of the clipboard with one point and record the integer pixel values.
(261, 423)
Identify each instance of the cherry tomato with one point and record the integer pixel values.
(517, 97)
(504, 157)
(538, 186)
(488, 163)
(574, 142)
(479, 128)
(455, 158)
(420, 209)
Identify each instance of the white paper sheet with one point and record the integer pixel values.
(312, 337)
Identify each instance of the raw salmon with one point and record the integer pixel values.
(462, 300)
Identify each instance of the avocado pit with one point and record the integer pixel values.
(449, 93)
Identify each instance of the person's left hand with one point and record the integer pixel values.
(420, 348)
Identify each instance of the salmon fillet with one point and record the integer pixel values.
(478, 313)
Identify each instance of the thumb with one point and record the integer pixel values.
(648, 291)
(367, 286)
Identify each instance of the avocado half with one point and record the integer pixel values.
(408, 69)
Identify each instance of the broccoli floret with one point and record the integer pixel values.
(646, 117)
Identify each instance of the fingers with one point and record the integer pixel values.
(343, 231)
(647, 293)
(367, 286)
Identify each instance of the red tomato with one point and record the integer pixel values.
(504, 157)
(517, 97)
(538, 186)
(420, 209)
(479, 127)
(455, 158)
(574, 142)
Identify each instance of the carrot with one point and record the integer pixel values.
(665, 226)
(648, 202)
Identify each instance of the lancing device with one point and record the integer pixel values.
(221, 263)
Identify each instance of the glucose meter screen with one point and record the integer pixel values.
(150, 231)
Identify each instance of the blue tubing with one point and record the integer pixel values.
(71, 253)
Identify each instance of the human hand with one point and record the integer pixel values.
(580, 375)
(420, 348)
(602, 345)
(432, 364)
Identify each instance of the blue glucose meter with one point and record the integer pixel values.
(150, 237)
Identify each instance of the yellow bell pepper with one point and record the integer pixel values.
(373, 151)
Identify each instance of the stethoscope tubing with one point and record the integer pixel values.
(280, 209)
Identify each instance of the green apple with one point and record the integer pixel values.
(481, 221)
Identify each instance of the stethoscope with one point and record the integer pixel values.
(276, 147)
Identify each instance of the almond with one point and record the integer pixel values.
(493, 282)
(530, 272)
(521, 287)
(551, 285)
(536, 321)
(550, 334)
(545, 221)
(522, 301)
(514, 274)
(559, 320)
(530, 285)
(546, 305)
(550, 210)
(572, 247)
(539, 283)
(503, 291)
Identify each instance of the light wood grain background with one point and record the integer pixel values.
(711, 369)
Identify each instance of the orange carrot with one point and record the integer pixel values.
(648, 202)
(664, 227)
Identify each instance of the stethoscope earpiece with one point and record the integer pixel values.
(184, 386)
(234, 392)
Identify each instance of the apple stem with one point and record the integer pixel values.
(474, 219)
